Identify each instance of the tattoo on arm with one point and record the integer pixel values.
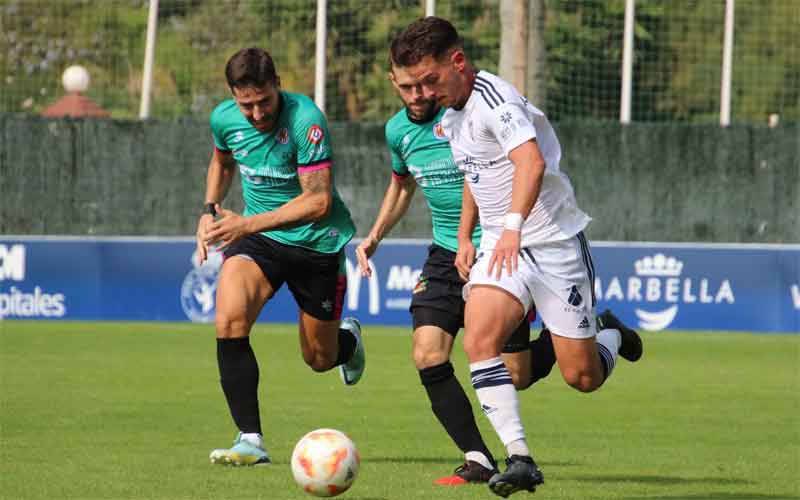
(318, 181)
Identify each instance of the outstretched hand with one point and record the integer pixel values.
(203, 226)
(364, 251)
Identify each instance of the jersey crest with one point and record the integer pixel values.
(438, 131)
(315, 134)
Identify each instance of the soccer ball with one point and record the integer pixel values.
(325, 462)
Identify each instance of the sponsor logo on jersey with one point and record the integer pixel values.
(282, 136)
(438, 131)
(238, 136)
(505, 117)
(315, 134)
(657, 283)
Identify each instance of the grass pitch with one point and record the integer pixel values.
(131, 410)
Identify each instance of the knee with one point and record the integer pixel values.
(521, 381)
(426, 357)
(319, 360)
(230, 325)
(582, 380)
(480, 347)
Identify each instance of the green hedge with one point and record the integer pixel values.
(641, 182)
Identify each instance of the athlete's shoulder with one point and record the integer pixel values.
(397, 120)
(492, 91)
(224, 113)
(300, 106)
(395, 125)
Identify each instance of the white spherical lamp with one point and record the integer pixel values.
(75, 79)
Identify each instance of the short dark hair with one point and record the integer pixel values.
(251, 67)
(427, 36)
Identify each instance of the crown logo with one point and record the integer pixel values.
(658, 265)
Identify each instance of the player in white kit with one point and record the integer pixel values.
(532, 249)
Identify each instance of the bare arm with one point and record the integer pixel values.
(465, 256)
(312, 204)
(395, 204)
(221, 170)
(528, 174)
(469, 216)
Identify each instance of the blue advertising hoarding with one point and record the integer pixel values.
(654, 286)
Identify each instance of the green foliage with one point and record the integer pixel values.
(39, 40)
(678, 46)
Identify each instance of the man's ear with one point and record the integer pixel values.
(459, 60)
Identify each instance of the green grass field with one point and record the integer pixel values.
(131, 410)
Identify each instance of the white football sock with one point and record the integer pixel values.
(518, 447)
(479, 457)
(253, 438)
(608, 342)
(498, 398)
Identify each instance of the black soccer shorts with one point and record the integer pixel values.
(437, 301)
(317, 280)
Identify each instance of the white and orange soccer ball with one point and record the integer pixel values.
(325, 462)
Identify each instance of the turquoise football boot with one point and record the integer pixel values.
(352, 370)
(243, 452)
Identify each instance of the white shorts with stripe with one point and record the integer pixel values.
(558, 277)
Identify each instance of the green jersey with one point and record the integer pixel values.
(422, 150)
(269, 164)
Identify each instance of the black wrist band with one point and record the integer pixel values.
(208, 208)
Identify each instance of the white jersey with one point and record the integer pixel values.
(495, 120)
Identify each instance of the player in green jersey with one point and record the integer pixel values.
(292, 231)
(421, 157)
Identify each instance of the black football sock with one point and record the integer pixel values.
(238, 371)
(453, 409)
(347, 346)
(543, 357)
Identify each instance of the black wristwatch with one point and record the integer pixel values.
(208, 208)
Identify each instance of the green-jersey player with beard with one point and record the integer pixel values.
(292, 231)
(421, 157)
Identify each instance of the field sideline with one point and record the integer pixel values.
(131, 411)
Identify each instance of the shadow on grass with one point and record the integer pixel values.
(665, 480)
(445, 461)
(718, 496)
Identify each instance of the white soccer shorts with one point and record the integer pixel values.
(558, 277)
